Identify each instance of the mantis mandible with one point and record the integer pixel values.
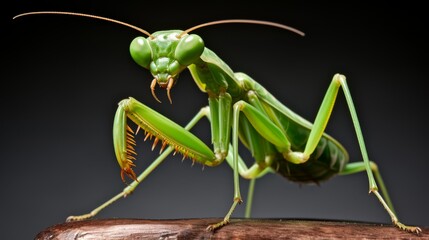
(239, 108)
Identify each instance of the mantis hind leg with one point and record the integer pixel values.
(276, 136)
(357, 167)
(339, 81)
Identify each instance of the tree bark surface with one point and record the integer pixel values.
(237, 229)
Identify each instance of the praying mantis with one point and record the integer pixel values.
(239, 109)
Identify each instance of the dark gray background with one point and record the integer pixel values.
(63, 76)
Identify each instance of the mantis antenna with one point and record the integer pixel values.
(89, 16)
(273, 24)
(250, 21)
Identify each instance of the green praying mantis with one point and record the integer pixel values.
(239, 108)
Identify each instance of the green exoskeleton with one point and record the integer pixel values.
(239, 108)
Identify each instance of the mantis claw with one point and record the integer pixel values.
(80, 218)
(156, 127)
(214, 227)
(130, 173)
(411, 229)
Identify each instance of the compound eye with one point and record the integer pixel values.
(141, 51)
(189, 49)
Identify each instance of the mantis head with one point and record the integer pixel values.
(166, 54)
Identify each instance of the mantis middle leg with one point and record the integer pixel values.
(270, 131)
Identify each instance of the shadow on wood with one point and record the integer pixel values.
(238, 229)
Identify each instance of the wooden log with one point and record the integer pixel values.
(237, 229)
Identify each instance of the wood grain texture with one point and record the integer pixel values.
(237, 229)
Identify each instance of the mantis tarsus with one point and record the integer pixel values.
(239, 108)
